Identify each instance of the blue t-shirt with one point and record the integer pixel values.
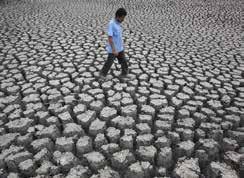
(115, 31)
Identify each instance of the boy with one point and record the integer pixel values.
(115, 47)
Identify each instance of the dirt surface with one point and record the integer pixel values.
(180, 115)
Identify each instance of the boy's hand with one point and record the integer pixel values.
(115, 53)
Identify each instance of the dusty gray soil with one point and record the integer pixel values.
(180, 115)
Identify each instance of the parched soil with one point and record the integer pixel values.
(180, 114)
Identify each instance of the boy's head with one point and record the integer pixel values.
(120, 14)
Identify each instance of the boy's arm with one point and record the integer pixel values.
(110, 40)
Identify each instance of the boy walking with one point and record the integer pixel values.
(115, 46)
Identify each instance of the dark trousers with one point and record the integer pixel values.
(122, 61)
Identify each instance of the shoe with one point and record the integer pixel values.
(102, 77)
(126, 76)
(105, 78)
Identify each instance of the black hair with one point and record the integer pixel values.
(120, 12)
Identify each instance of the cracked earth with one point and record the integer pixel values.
(181, 115)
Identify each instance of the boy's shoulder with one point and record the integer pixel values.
(111, 22)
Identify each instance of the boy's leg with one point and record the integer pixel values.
(107, 64)
(123, 63)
